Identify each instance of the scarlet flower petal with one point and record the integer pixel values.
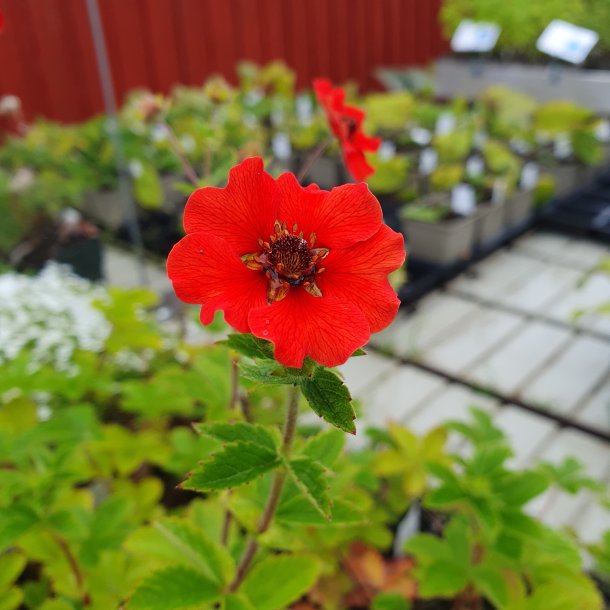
(240, 213)
(204, 269)
(357, 165)
(348, 214)
(359, 275)
(325, 329)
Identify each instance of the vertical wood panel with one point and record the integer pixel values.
(47, 57)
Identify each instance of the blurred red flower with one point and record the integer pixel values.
(304, 268)
(346, 124)
(1, 21)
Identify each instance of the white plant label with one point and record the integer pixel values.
(421, 136)
(562, 147)
(386, 151)
(282, 149)
(602, 130)
(475, 166)
(530, 174)
(475, 37)
(254, 97)
(463, 200)
(428, 160)
(445, 124)
(567, 41)
(304, 110)
(278, 117)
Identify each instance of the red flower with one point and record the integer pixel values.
(346, 123)
(304, 268)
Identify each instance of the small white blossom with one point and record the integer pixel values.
(52, 315)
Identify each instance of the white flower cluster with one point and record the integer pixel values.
(52, 314)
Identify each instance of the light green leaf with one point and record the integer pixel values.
(251, 346)
(330, 399)
(390, 601)
(16, 520)
(147, 188)
(174, 588)
(443, 578)
(426, 548)
(208, 557)
(238, 602)
(11, 599)
(310, 478)
(109, 527)
(239, 431)
(325, 447)
(279, 580)
(519, 488)
(11, 565)
(236, 464)
(297, 510)
(491, 583)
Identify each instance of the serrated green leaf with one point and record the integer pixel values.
(330, 399)
(239, 431)
(325, 447)
(518, 488)
(443, 578)
(279, 580)
(174, 588)
(491, 584)
(238, 602)
(236, 464)
(310, 477)
(390, 601)
(269, 372)
(210, 558)
(251, 346)
(297, 510)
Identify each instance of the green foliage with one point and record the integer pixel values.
(445, 177)
(453, 147)
(491, 545)
(278, 581)
(390, 174)
(387, 112)
(561, 117)
(521, 21)
(174, 588)
(329, 398)
(236, 464)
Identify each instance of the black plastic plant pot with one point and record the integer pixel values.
(84, 257)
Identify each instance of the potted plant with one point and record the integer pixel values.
(435, 233)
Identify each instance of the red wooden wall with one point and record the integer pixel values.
(47, 58)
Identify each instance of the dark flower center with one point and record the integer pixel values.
(291, 256)
(288, 261)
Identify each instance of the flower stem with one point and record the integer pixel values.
(313, 157)
(274, 495)
(74, 567)
(187, 168)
